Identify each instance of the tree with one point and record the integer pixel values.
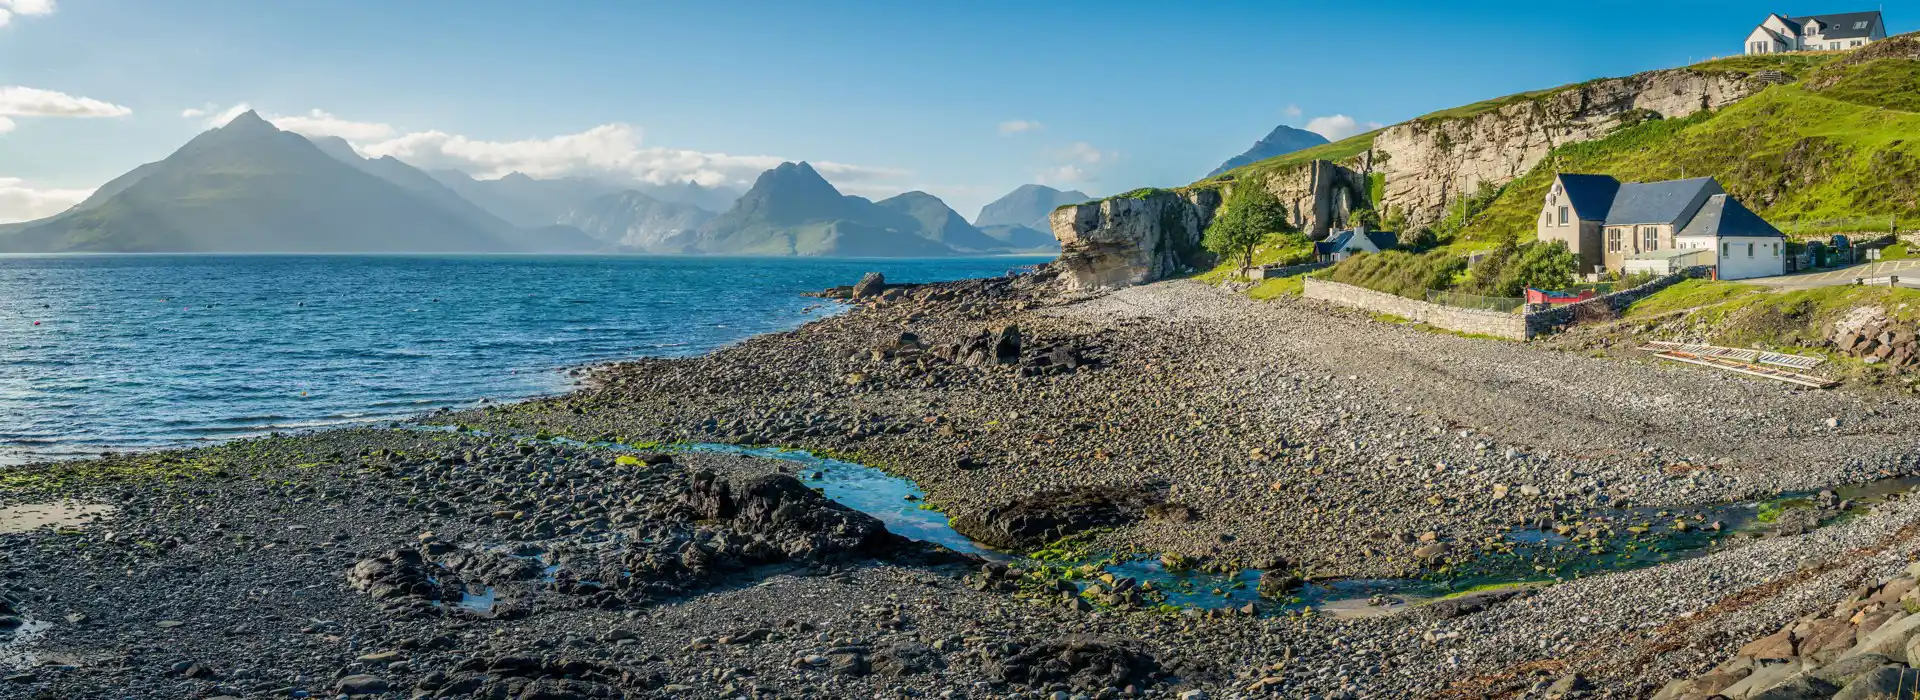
(1249, 216)
(1541, 265)
(1364, 217)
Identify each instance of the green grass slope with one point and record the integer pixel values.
(1790, 153)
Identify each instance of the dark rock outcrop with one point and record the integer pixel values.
(1087, 663)
(1050, 515)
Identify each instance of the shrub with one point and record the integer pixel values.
(1510, 269)
(1399, 272)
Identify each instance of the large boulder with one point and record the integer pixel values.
(1133, 238)
(870, 285)
(798, 520)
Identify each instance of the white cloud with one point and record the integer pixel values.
(1063, 175)
(1339, 126)
(1019, 126)
(18, 101)
(1292, 112)
(1079, 163)
(29, 7)
(609, 151)
(24, 8)
(20, 202)
(319, 123)
(1086, 153)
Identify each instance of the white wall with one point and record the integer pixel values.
(1769, 257)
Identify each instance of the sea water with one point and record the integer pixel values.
(119, 352)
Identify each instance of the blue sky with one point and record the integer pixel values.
(888, 95)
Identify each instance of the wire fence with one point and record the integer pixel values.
(1854, 224)
(1598, 288)
(1474, 301)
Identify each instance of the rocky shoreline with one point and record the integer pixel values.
(1172, 420)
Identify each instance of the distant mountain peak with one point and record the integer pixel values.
(248, 121)
(1028, 206)
(1279, 142)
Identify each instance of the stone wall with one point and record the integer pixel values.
(1556, 319)
(1500, 325)
(1534, 322)
(1267, 272)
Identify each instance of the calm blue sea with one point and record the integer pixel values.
(145, 351)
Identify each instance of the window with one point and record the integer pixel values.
(1860, 25)
(1749, 250)
(1726, 249)
(1858, 43)
(1649, 238)
(1563, 216)
(1613, 240)
(1776, 250)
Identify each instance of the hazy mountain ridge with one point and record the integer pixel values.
(939, 222)
(631, 220)
(250, 187)
(792, 210)
(528, 201)
(1027, 206)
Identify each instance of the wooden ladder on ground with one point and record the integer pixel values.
(1756, 363)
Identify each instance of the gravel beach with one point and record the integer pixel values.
(1172, 421)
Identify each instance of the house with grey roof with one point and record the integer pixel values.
(1837, 32)
(1659, 226)
(1342, 245)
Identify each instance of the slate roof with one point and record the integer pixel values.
(1590, 195)
(1724, 216)
(1845, 25)
(1337, 242)
(1669, 202)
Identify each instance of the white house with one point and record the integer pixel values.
(1343, 244)
(1744, 244)
(1659, 227)
(1849, 30)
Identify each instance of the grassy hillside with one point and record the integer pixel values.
(1795, 66)
(1789, 153)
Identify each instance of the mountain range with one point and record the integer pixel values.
(248, 186)
(1279, 142)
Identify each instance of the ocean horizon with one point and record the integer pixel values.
(142, 351)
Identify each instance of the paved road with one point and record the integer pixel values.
(1844, 275)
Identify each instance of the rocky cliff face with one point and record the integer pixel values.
(1426, 164)
(1320, 194)
(1131, 240)
(1430, 162)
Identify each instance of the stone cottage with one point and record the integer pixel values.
(1659, 227)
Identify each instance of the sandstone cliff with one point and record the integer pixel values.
(1133, 238)
(1430, 162)
(1425, 165)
